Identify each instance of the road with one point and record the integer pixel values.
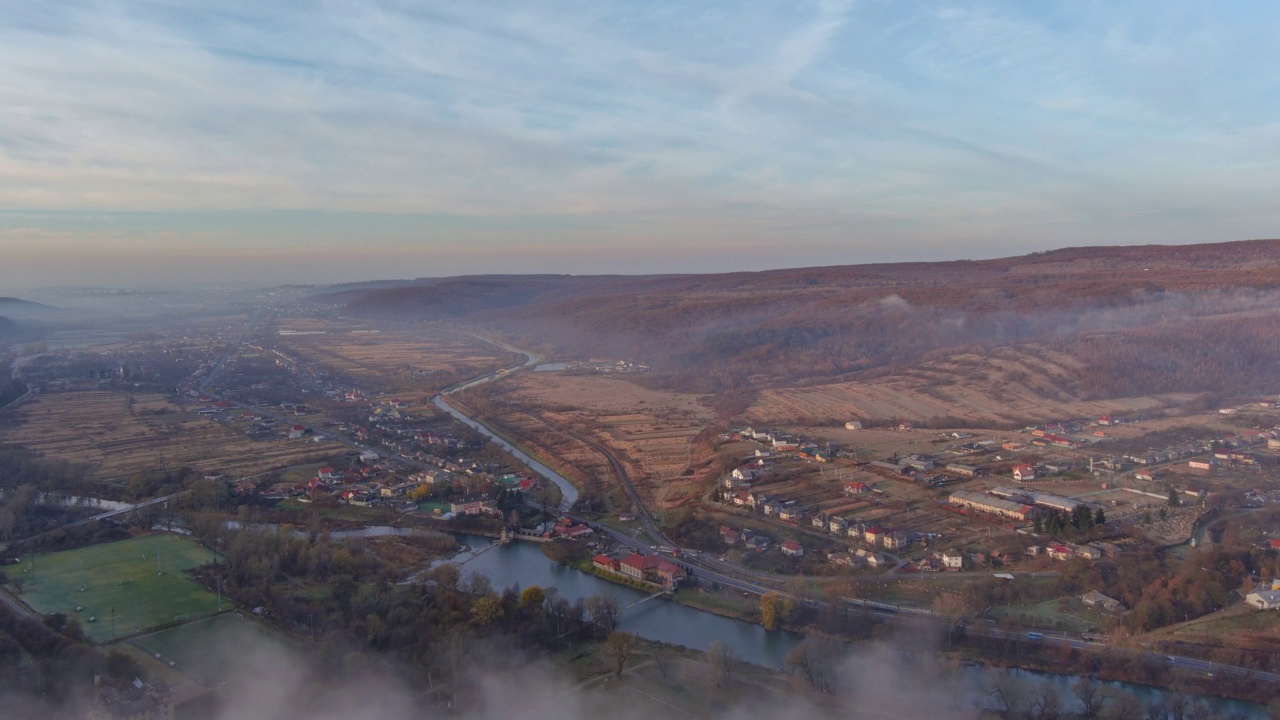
(710, 568)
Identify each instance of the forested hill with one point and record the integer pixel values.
(709, 332)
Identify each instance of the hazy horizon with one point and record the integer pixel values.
(151, 145)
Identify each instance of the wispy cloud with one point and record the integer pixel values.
(838, 128)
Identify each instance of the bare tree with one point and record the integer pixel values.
(1046, 704)
(1092, 698)
(816, 658)
(1125, 706)
(1008, 693)
(720, 660)
(618, 647)
(604, 611)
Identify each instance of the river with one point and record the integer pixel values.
(523, 564)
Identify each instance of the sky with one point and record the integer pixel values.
(154, 143)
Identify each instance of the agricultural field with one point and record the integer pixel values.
(651, 432)
(1002, 387)
(216, 649)
(118, 434)
(416, 363)
(122, 575)
(1238, 626)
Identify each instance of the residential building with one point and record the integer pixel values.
(1095, 599)
(952, 560)
(1263, 599)
(792, 548)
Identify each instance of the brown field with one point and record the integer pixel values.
(1001, 387)
(649, 431)
(394, 361)
(116, 438)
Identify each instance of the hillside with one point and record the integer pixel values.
(1131, 320)
(8, 328)
(16, 307)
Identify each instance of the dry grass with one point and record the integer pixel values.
(649, 431)
(1000, 387)
(101, 429)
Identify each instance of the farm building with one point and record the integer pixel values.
(990, 504)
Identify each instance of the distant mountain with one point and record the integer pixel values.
(717, 332)
(9, 328)
(16, 307)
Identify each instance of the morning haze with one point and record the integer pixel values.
(870, 360)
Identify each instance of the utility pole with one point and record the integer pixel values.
(136, 625)
(113, 622)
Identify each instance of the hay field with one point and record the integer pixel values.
(122, 575)
(119, 434)
(1002, 387)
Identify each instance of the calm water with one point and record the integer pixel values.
(523, 564)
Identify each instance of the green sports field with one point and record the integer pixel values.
(215, 649)
(122, 575)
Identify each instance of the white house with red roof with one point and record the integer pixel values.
(792, 548)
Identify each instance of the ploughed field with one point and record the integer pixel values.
(118, 434)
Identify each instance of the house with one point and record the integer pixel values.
(896, 541)
(1089, 552)
(792, 548)
(838, 525)
(604, 562)
(819, 520)
(844, 559)
(771, 507)
(853, 425)
(633, 566)
(328, 474)
(1263, 599)
(1095, 599)
(1022, 473)
(952, 560)
(297, 431)
(728, 535)
(856, 488)
(872, 535)
(759, 543)
(1058, 551)
(875, 560)
(567, 528)
(791, 513)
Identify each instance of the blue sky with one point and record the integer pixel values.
(169, 142)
